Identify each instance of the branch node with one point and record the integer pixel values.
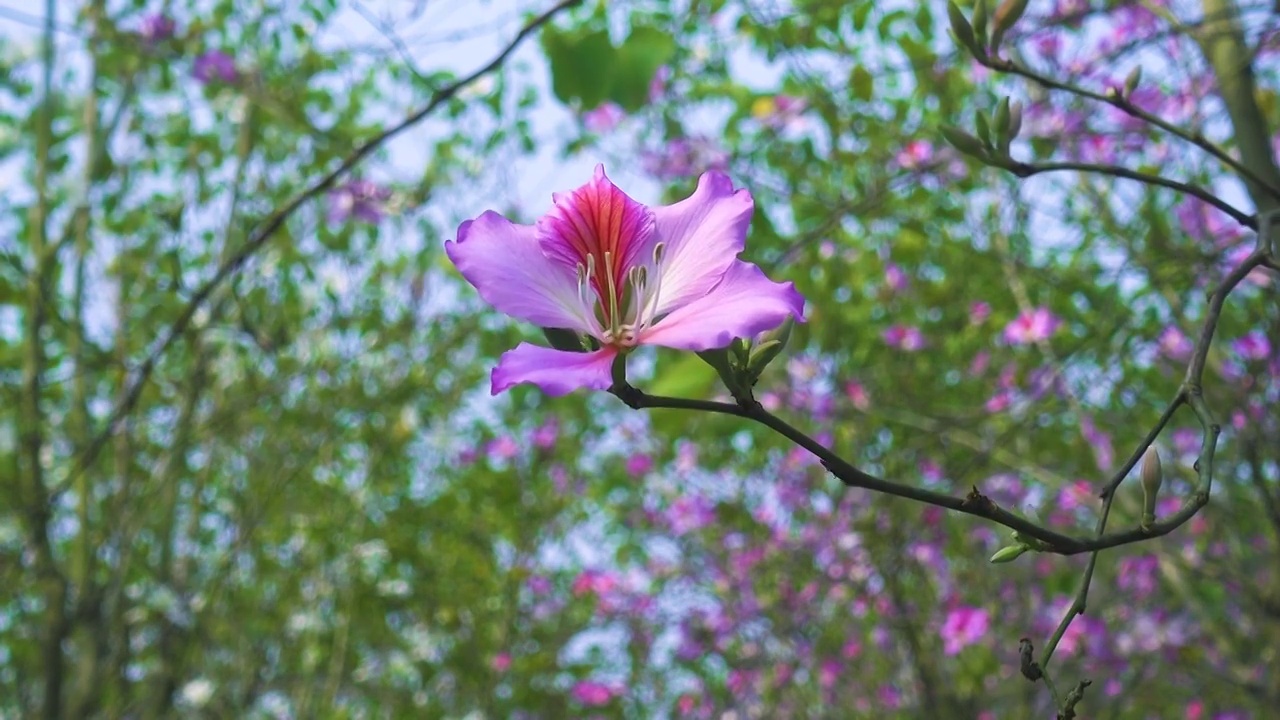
(1027, 663)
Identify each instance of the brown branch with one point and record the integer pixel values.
(1022, 169)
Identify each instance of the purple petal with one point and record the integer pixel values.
(600, 221)
(557, 372)
(703, 235)
(504, 263)
(744, 304)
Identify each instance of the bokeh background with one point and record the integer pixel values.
(250, 474)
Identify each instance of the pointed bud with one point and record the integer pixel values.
(1152, 477)
(1132, 80)
(1000, 125)
(980, 23)
(769, 347)
(1008, 553)
(1015, 120)
(964, 142)
(1007, 15)
(983, 127)
(962, 29)
(726, 365)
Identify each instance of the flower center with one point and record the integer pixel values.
(620, 308)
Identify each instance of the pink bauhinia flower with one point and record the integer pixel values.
(624, 274)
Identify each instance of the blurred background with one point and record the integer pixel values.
(249, 461)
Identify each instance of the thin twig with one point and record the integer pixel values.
(1022, 169)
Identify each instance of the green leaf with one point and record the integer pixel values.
(582, 66)
(861, 82)
(637, 61)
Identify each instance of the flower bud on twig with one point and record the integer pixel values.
(1152, 477)
(1131, 82)
(1008, 553)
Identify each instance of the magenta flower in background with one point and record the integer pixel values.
(963, 627)
(895, 278)
(503, 448)
(684, 156)
(858, 395)
(1174, 344)
(904, 337)
(625, 274)
(1202, 221)
(638, 464)
(1031, 326)
(594, 581)
(156, 28)
(593, 694)
(915, 154)
(546, 434)
(1254, 346)
(658, 85)
(603, 118)
(979, 312)
(215, 66)
(363, 200)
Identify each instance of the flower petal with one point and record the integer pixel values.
(744, 304)
(703, 235)
(597, 220)
(504, 263)
(555, 371)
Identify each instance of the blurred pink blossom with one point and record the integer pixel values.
(979, 312)
(1253, 346)
(915, 154)
(638, 464)
(1031, 326)
(502, 448)
(215, 65)
(156, 28)
(603, 118)
(594, 694)
(904, 337)
(963, 627)
(857, 394)
(895, 278)
(1174, 344)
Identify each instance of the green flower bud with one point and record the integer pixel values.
(964, 142)
(1132, 80)
(1015, 120)
(980, 23)
(962, 29)
(1008, 553)
(1152, 477)
(983, 127)
(1007, 15)
(770, 346)
(1000, 126)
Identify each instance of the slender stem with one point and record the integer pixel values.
(1268, 186)
(1022, 169)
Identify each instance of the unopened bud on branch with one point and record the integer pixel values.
(1131, 82)
(1152, 477)
(1008, 553)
